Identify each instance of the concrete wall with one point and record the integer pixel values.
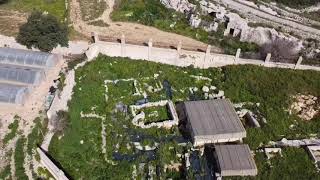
(180, 57)
(57, 173)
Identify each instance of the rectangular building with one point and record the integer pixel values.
(235, 160)
(213, 121)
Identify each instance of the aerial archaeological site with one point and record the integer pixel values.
(159, 89)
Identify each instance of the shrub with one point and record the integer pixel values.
(43, 31)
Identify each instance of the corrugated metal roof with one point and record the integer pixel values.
(212, 117)
(235, 160)
(27, 58)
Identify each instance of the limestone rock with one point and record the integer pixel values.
(194, 20)
(211, 27)
(178, 5)
(205, 89)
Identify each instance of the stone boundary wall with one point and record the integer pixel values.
(52, 168)
(181, 57)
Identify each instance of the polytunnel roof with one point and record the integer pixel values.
(12, 93)
(28, 58)
(21, 74)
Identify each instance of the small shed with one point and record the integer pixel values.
(213, 121)
(235, 160)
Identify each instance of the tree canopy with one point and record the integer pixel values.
(43, 31)
(3, 1)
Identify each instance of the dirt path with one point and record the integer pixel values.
(132, 31)
(10, 22)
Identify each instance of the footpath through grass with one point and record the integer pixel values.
(79, 149)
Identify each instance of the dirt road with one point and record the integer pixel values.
(132, 31)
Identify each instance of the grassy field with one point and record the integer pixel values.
(153, 13)
(54, 7)
(156, 114)
(271, 88)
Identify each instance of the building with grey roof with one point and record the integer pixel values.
(213, 121)
(234, 160)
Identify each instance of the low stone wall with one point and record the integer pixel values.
(181, 57)
(52, 168)
(138, 118)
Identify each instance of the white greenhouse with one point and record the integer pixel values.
(20, 74)
(13, 94)
(28, 58)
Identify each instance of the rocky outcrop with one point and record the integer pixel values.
(179, 5)
(236, 25)
(194, 20)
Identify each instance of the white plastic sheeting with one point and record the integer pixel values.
(21, 74)
(27, 58)
(13, 94)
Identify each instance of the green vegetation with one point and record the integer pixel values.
(36, 136)
(19, 159)
(92, 9)
(293, 164)
(54, 7)
(43, 31)
(153, 13)
(156, 114)
(298, 4)
(294, 3)
(5, 173)
(272, 88)
(13, 130)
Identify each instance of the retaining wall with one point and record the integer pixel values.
(181, 57)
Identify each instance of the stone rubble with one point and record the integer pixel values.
(305, 106)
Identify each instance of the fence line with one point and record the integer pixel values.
(180, 56)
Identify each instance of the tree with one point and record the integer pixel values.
(43, 31)
(282, 50)
(3, 1)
